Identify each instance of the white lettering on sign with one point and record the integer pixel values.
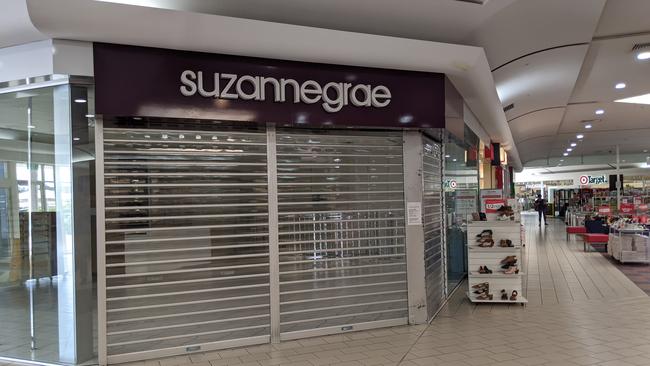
(333, 96)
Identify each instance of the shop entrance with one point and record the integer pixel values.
(222, 234)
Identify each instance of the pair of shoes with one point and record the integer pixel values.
(513, 297)
(511, 270)
(504, 295)
(481, 288)
(484, 270)
(510, 260)
(486, 243)
(506, 243)
(485, 233)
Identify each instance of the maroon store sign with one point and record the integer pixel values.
(139, 81)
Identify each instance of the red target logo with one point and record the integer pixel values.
(584, 179)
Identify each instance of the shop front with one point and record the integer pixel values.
(234, 201)
(248, 201)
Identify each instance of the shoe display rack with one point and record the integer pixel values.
(494, 254)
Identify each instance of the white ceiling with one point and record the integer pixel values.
(556, 60)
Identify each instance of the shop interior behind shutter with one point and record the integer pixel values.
(187, 243)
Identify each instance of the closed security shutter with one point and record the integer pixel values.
(186, 237)
(434, 258)
(341, 231)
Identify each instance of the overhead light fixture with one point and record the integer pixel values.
(569, 149)
(588, 126)
(31, 126)
(600, 111)
(76, 139)
(645, 55)
(645, 151)
(455, 160)
(447, 156)
(90, 115)
(566, 154)
(639, 99)
(573, 144)
(580, 136)
(80, 100)
(561, 160)
(620, 86)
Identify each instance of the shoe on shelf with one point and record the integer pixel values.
(486, 243)
(512, 270)
(504, 295)
(485, 296)
(513, 297)
(511, 259)
(480, 285)
(487, 270)
(484, 232)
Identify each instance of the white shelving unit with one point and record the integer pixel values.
(491, 257)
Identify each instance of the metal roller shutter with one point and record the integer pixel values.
(341, 231)
(186, 237)
(434, 259)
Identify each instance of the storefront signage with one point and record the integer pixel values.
(643, 207)
(450, 185)
(334, 96)
(592, 179)
(152, 82)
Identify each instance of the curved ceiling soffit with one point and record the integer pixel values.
(542, 123)
(541, 80)
(528, 26)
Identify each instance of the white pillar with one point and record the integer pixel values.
(618, 180)
(415, 274)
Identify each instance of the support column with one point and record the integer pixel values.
(417, 296)
(618, 180)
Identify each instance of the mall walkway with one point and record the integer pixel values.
(582, 311)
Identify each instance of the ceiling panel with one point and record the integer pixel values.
(536, 124)
(624, 17)
(439, 20)
(529, 26)
(609, 62)
(617, 117)
(542, 80)
(535, 148)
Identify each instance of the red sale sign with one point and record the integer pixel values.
(643, 207)
(627, 208)
(492, 205)
(604, 210)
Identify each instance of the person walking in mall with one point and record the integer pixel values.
(540, 207)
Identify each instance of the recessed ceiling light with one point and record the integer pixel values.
(645, 150)
(588, 125)
(80, 100)
(447, 156)
(561, 159)
(573, 144)
(75, 138)
(620, 86)
(639, 99)
(137, 118)
(90, 115)
(566, 154)
(455, 160)
(580, 136)
(600, 111)
(645, 55)
(31, 126)
(569, 149)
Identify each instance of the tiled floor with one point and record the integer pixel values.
(638, 273)
(582, 311)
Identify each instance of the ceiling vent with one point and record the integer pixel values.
(637, 46)
(478, 2)
(509, 106)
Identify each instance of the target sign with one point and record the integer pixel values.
(592, 179)
(453, 184)
(584, 179)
